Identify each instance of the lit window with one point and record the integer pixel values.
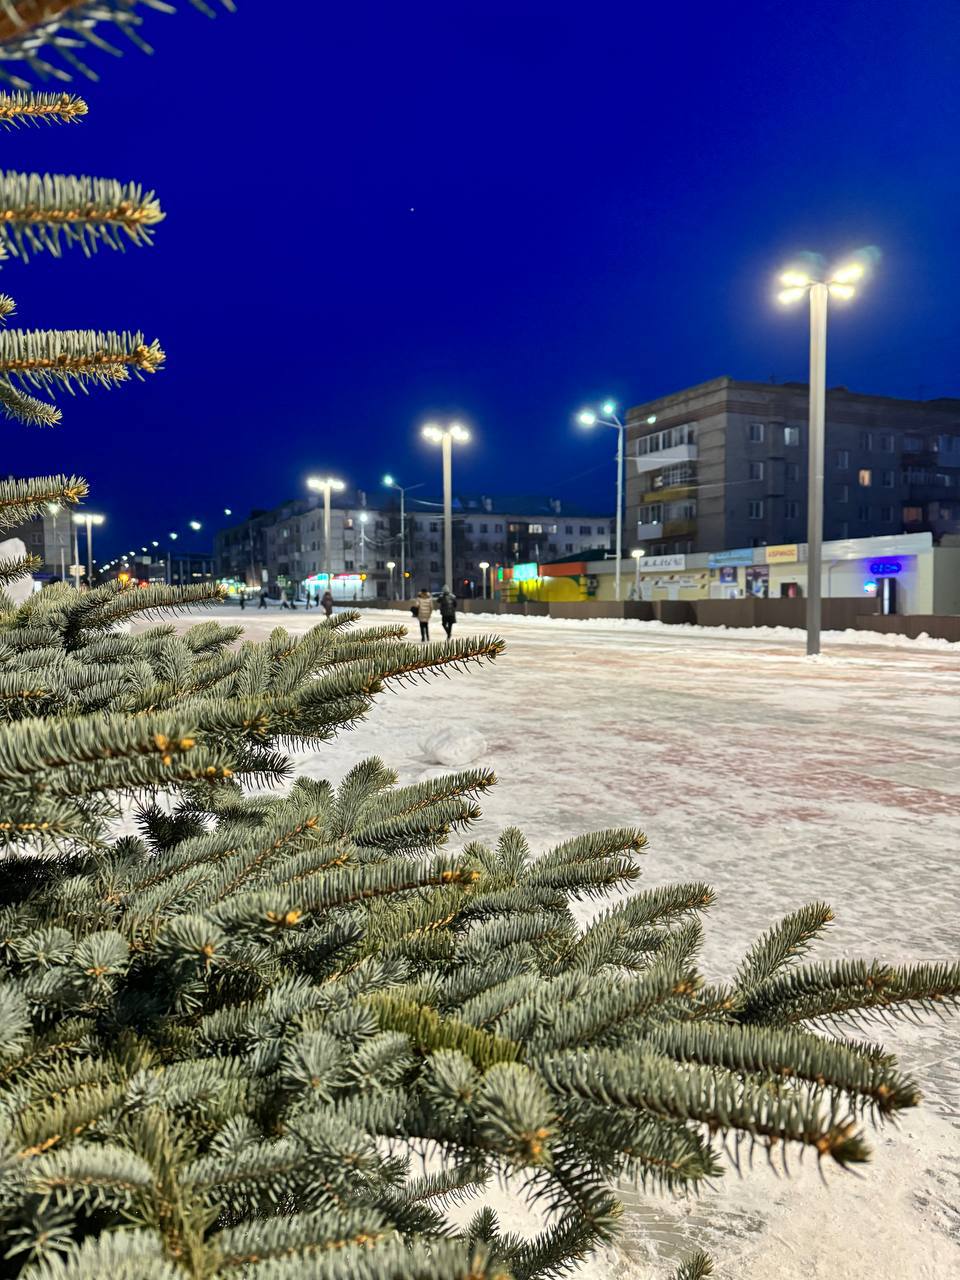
(791, 436)
(865, 478)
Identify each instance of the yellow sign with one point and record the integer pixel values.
(787, 554)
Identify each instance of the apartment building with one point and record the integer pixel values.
(284, 548)
(724, 464)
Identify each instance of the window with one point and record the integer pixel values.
(434, 566)
(535, 528)
(886, 515)
(844, 529)
(568, 528)
(863, 512)
(755, 508)
(913, 443)
(498, 528)
(791, 509)
(348, 564)
(434, 526)
(756, 470)
(434, 545)
(843, 459)
(484, 529)
(584, 530)
(866, 441)
(843, 494)
(912, 515)
(795, 472)
(865, 478)
(791, 436)
(886, 443)
(568, 547)
(888, 479)
(755, 433)
(381, 564)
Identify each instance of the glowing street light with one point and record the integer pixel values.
(607, 417)
(445, 437)
(88, 520)
(484, 567)
(326, 485)
(403, 489)
(841, 285)
(637, 553)
(391, 565)
(196, 526)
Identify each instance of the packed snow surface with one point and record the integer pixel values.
(454, 746)
(779, 780)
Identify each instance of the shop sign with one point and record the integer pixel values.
(789, 553)
(756, 580)
(657, 564)
(742, 555)
(885, 568)
(684, 580)
(526, 572)
(728, 575)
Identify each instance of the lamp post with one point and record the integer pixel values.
(484, 566)
(403, 490)
(391, 565)
(841, 285)
(173, 538)
(637, 553)
(88, 520)
(326, 485)
(444, 437)
(607, 417)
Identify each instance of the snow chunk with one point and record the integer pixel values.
(454, 747)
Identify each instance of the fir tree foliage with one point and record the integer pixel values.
(42, 40)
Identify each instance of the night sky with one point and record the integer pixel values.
(380, 213)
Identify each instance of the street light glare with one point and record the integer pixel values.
(586, 418)
(847, 274)
(794, 294)
(459, 432)
(388, 481)
(795, 279)
(432, 432)
(154, 544)
(637, 552)
(609, 407)
(227, 511)
(651, 419)
(174, 536)
(843, 291)
(195, 525)
(484, 564)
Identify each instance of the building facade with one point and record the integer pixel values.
(284, 549)
(724, 464)
(53, 539)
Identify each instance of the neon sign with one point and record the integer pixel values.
(885, 568)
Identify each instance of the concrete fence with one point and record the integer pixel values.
(839, 614)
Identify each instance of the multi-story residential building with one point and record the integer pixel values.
(724, 464)
(284, 548)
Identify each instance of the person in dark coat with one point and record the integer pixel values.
(263, 600)
(327, 601)
(447, 603)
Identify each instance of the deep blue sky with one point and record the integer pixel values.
(600, 193)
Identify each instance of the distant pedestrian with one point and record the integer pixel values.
(424, 610)
(284, 599)
(327, 601)
(243, 599)
(263, 600)
(447, 602)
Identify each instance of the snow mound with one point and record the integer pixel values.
(454, 746)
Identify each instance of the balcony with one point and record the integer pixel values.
(664, 458)
(680, 528)
(672, 493)
(649, 532)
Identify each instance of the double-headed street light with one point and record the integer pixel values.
(445, 437)
(88, 520)
(607, 417)
(326, 485)
(796, 284)
(403, 490)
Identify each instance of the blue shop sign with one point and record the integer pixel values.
(885, 568)
(743, 555)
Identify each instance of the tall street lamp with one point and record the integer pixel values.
(444, 437)
(841, 284)
(88, 520)
(484, 566)
(326, 485)
(403, 490)
(391, 565)
(173, 538)
(607, 417)
(638, 553)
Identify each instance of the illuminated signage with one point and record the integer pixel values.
(786, 554)
(525, 572)
(742, 555)
(885, 568)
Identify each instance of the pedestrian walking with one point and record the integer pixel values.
(424, 610)
(284, 598)
(327, 601)
(447, 603)
(263, 600)
(243, 599)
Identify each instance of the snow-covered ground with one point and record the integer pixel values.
(779, 780)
